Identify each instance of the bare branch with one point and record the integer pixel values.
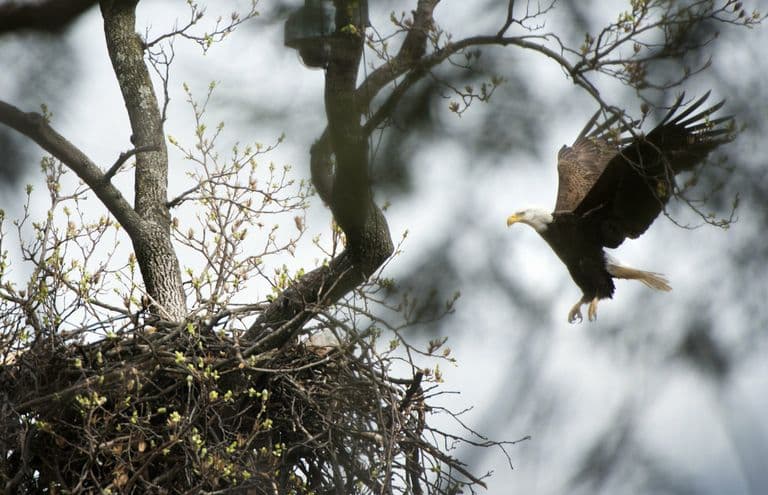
(37, 128)
(196, 13)
(422, 67)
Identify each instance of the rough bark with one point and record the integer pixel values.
(148, 222)
(154, 250)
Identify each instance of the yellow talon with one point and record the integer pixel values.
(592, 312)
(574, 315)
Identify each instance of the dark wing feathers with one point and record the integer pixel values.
(676, 105)
(678, 119)
(638, 180)
(580, 165)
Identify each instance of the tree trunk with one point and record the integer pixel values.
(152, 241)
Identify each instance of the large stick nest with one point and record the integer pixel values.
(190, 410)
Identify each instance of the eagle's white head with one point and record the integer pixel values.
(538, 218)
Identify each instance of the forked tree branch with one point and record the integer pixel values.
(123, 158)
(411, 51)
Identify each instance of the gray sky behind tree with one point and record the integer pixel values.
(663, 394)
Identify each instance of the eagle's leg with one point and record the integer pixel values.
(574, 315)
(592, 311)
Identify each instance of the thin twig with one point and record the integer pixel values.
(125, 156)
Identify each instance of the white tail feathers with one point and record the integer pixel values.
(649, 279)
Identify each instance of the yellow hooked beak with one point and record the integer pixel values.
(513, 219)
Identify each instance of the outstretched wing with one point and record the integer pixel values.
(580, 165)
(639, 180)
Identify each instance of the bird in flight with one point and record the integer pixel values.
(612, 185)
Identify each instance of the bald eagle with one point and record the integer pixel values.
(613, 185)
